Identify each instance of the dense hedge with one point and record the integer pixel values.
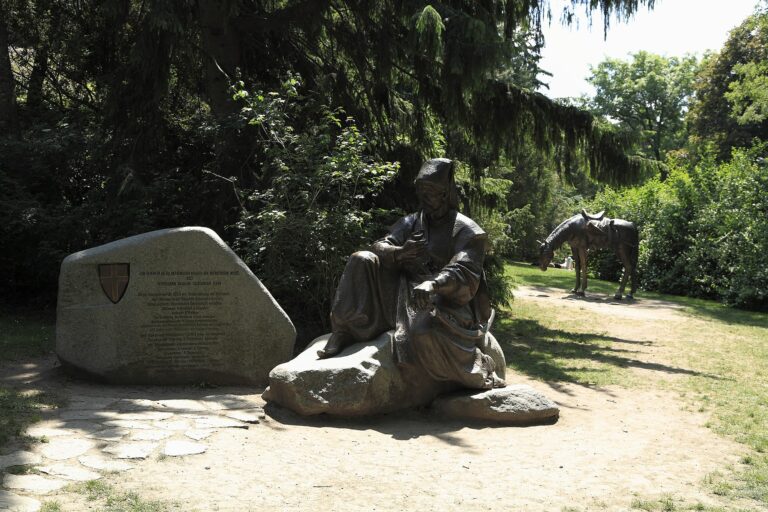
(703, 231)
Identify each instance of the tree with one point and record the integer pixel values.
(7, 84)
(730, 105)
(648, 97)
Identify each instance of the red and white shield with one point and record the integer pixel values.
(114, 280)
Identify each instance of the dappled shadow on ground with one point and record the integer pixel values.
(543, 353)
(716, 311)
(404, 425)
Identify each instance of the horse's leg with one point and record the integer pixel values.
(577, 268)
(583, 270)
(633, 254)
(621, 252)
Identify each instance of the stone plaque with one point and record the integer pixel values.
(174, 306)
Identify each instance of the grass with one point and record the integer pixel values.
(714, 357)
(108, 499)
(25, 334)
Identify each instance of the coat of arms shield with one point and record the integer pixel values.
(114, 279)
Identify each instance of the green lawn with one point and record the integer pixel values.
(717, 358)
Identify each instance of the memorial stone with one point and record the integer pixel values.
(174, 306)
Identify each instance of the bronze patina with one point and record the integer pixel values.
(425, 280)
(584, 232)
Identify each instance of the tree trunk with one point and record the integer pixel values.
(7, 85)
(222, 53)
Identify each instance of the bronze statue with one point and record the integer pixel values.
(425, 280)
(583, 232)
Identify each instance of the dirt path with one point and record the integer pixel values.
(610, 445)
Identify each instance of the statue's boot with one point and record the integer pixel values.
(335, 344)
(498, 382)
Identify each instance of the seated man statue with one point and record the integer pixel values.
(425, 280)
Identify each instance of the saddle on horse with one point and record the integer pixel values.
(601, 228)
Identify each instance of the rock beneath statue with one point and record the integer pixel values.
(174, 306)
(362, 380)
(517, 404)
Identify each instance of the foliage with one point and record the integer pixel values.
(704, 231)
(728, 110)
(648, 97)
(298, 229)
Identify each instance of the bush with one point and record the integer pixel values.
(703, 231)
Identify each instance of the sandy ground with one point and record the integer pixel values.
(609, 446)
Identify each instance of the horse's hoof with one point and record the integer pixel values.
(630, 296)
(618, 296)
(575, 291)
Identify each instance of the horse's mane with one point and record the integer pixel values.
(557, 234)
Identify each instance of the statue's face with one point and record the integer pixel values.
(433, 199)
(545, 256)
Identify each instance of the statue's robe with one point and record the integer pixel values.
(375, 295)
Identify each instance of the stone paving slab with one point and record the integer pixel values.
(111, 434)
(69, 472)
(104, 464)
(218, 422)
(132, 424)
(62, 448)
(220, 402)
(34, 484)
(183, 405)
(131, 450)
(199, 435)
(15, 503)
(150, 435)
(91, 402)
(182, 448)
(173, 424)
(246, 415)
(49, 432)
(20, 458)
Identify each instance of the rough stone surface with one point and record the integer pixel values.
(131, 450)
(34, 484)
(182, 448)
(364, 379)
(104, 464)
(19, 459)
(69, 472)
(513, 405)
(62, 448)
(15, 503)
(191, 312)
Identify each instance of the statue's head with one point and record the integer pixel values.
(436, 188)
(546, 253)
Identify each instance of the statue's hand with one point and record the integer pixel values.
(423, 293)
(415, 248)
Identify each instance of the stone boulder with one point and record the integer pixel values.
(363, 380)
(174, 306)
(517, 404)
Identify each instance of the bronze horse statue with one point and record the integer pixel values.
(583, 232)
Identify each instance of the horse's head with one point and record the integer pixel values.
(546, 253)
